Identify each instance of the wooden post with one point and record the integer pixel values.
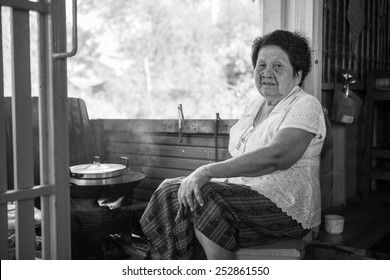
(58, 150)
(3, 161)
(44, 51)
(306, 17)
(22, 133)
(273, 15)
(339, 187)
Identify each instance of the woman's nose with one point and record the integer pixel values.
(268, 72)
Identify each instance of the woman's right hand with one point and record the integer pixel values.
(189, 192)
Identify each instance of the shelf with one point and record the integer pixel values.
(377, 93)
(380, 153)
(381, 95)
(380, 174)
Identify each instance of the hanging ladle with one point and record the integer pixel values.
(348, 80)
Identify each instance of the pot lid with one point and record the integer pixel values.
(96, 167)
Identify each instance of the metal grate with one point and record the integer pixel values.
(356, 36)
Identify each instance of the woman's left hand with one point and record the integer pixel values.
(189, 191)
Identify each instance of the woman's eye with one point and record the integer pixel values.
(278, 66)
(261, 65)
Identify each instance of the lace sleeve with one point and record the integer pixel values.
(306, 114)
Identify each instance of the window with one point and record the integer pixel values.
(141, 59)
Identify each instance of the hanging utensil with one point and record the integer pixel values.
(180, 118)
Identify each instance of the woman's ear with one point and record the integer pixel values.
(299, 77)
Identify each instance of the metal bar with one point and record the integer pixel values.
(364, 46)
(330, 50)
(336, 39)
(25, 194)
(324, 43)
(217, 118)
(350, 48)
(22, 133)
(369, 36)
(382, 36)
(3, 160)
(378, 34)
(374, 31)
(73, 52)
(26, 5)
(388, 37)
(345, 55)
(180, 121)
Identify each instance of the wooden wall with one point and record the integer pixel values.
(153, 147)
(352, 146)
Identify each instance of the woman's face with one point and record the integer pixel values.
(274, 74)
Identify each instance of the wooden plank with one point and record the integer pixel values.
(380, 153)
(3, 161)
(326, 162)
(130, 149)
(22, 132)
(44, 50)
(381, 95)
(169, 139)
(339, 198)
(58, 149)
(380, 174)
(166, 162)
(25, 194)
(326, 181)
(161, 173)
(169, 126)
(146, 188)
(149, 184)
(326, 199)
(26, 5)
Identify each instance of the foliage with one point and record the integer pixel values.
(140, 59)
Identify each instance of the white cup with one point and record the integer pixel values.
(334, 224)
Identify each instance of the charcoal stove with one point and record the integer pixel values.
(99, 209)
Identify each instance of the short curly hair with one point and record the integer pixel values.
(294, 44)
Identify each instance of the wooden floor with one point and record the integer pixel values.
(366, 222)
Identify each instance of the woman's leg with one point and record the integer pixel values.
(234, 216)
(173, 238)
(213, 250)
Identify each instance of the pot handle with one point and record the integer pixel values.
(123, 160)
(96, 160)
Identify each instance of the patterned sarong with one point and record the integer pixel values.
(233, 216)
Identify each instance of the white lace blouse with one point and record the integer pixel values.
(295, 190)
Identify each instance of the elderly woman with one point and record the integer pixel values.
(270, 187)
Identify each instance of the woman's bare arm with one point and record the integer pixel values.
(286, 148)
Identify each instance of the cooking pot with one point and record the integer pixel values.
(98, 170)
(99, 180)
